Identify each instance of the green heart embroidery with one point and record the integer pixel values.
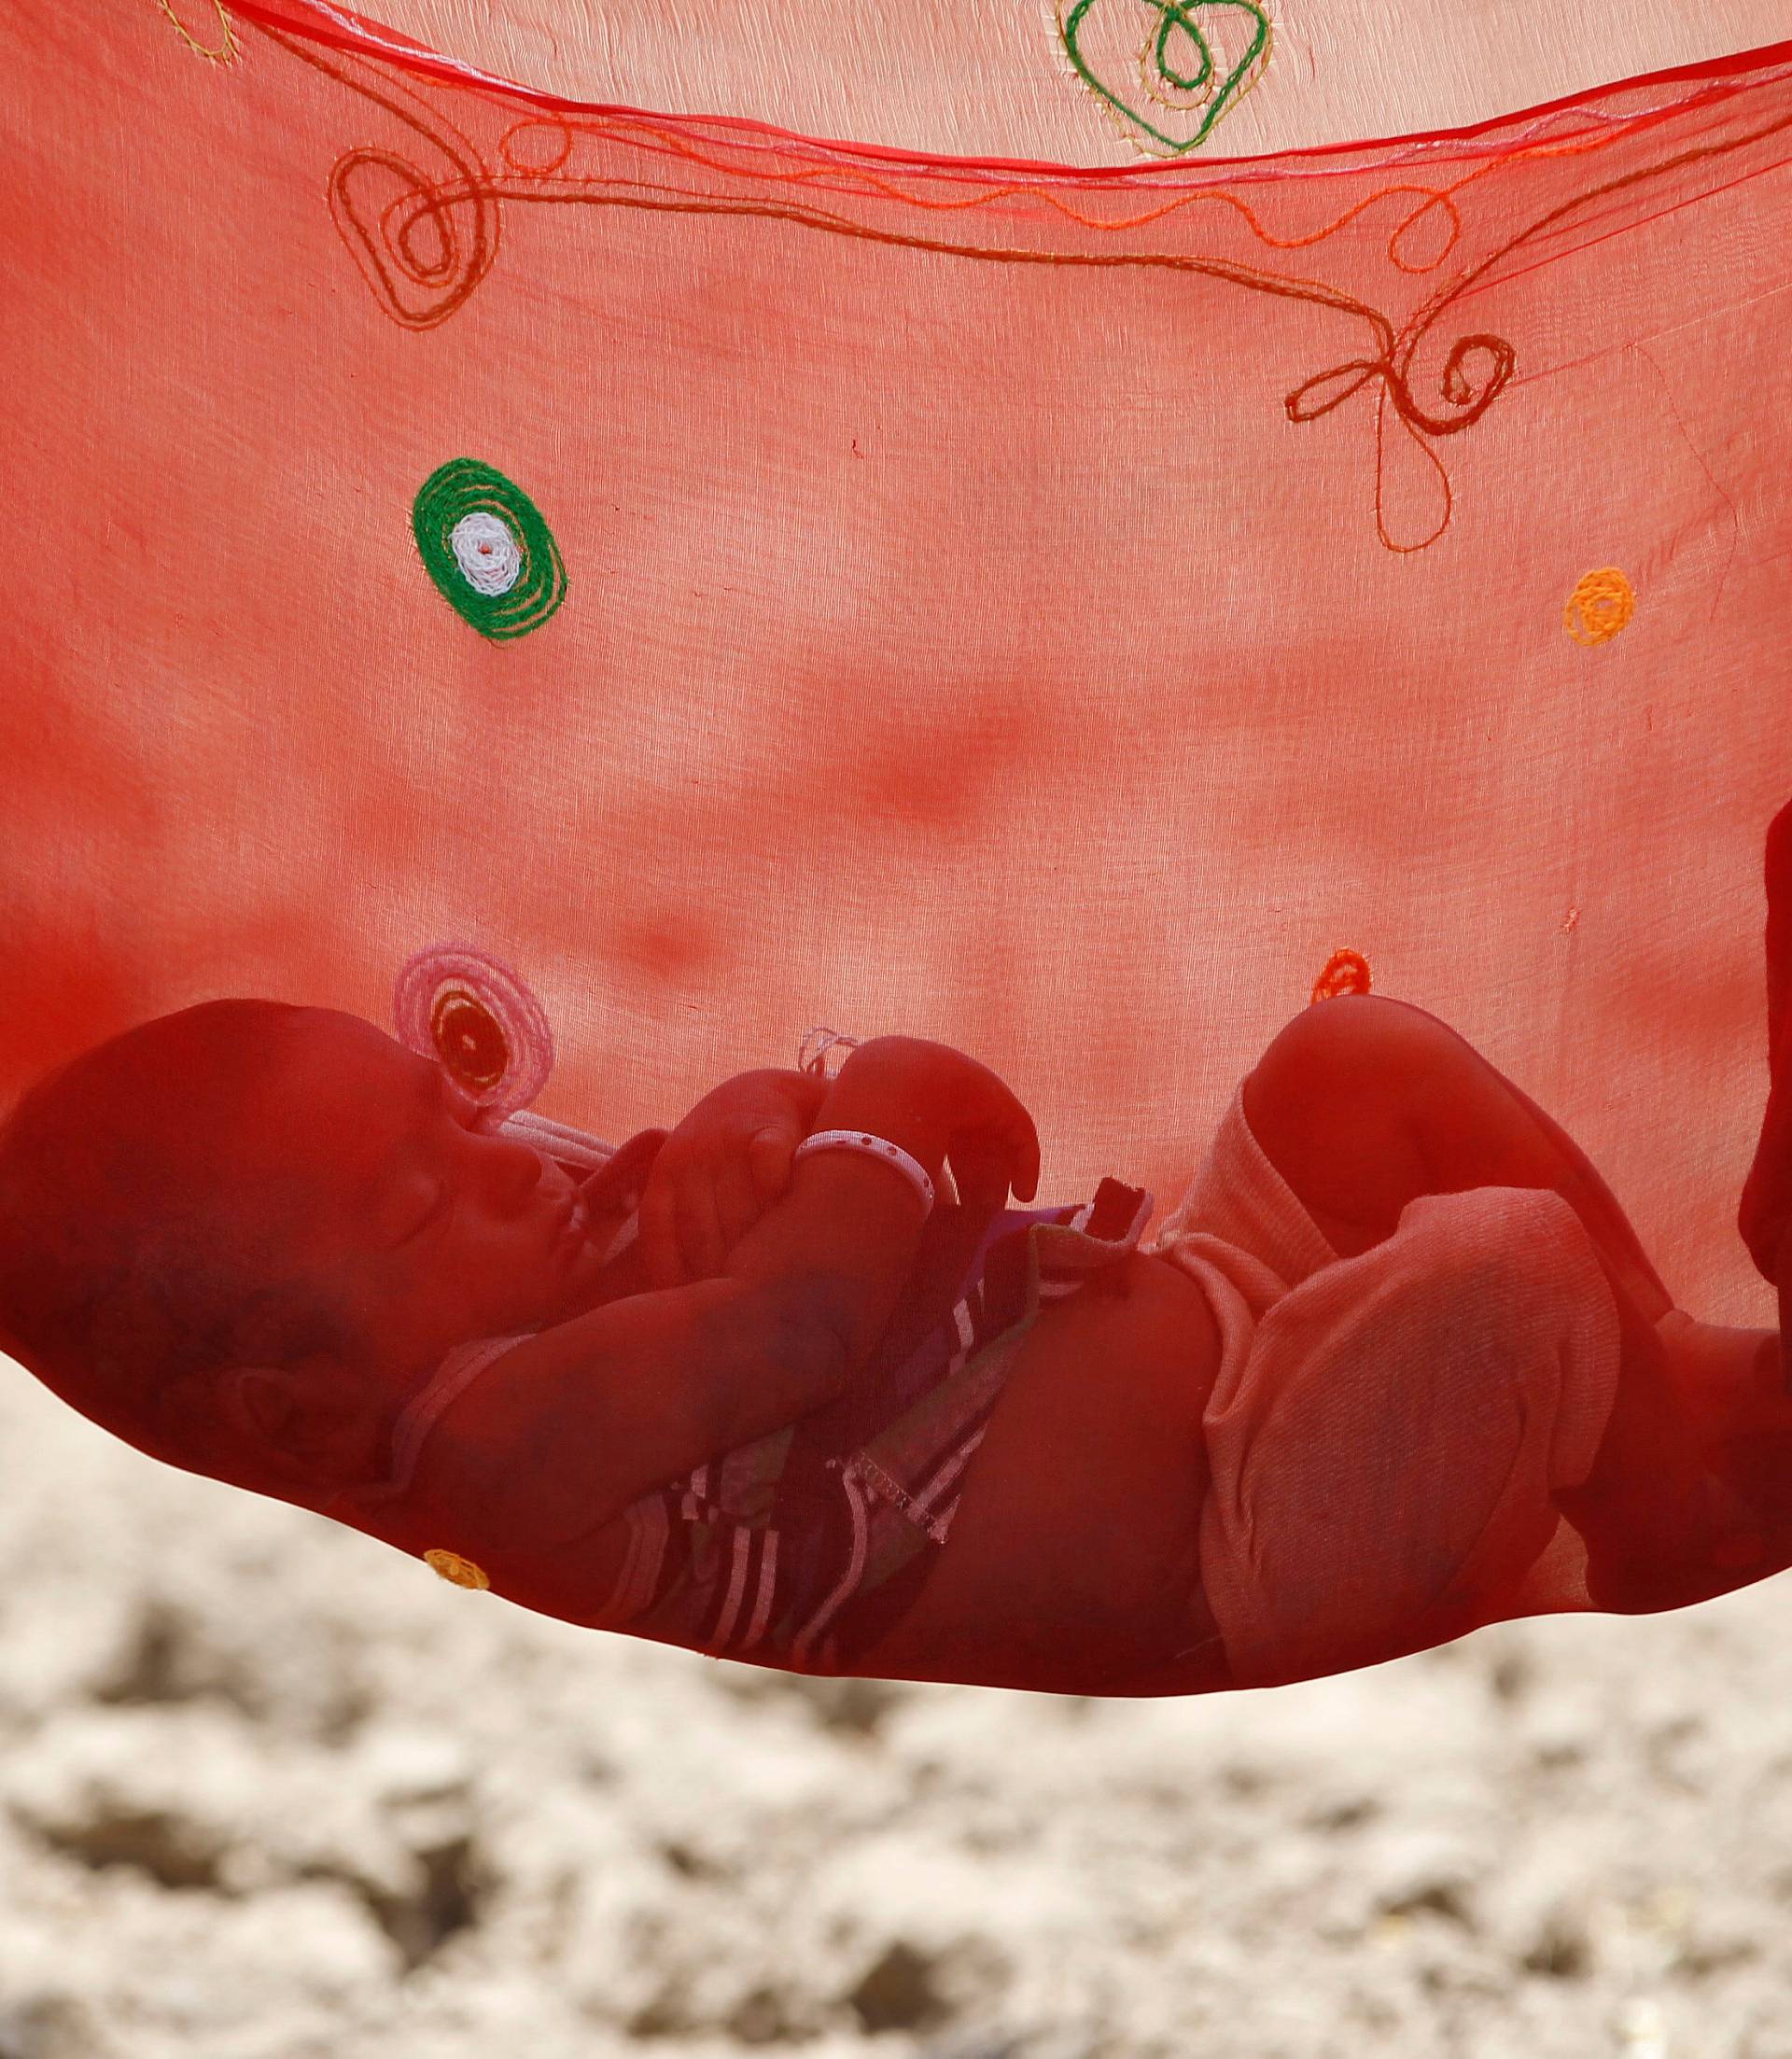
(1176, 14)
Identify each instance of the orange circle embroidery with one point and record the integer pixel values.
(452, 1566)
(1346, 972)
(469, 1038)
(1601, 604)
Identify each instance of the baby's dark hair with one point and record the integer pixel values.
(125, 1267)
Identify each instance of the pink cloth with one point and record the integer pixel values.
(1387, 1431)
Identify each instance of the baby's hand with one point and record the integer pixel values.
(719, 1171)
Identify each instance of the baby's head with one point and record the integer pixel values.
(238, 1235)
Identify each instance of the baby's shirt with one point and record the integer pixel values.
(809, 1545)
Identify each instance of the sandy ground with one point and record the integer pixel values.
(269, 1790)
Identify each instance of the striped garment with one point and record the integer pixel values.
(806, 1546)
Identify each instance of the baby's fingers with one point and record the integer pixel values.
(1027, 1177)
(769, 1156)
(981, 1160)
(736, 1205)
(661, 1256)
(1023, 1139)
(700, 1239)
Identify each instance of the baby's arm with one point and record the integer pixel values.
(584, 1418)
(581, 1420)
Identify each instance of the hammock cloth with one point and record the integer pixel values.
(746, 582)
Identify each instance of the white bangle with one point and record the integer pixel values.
(878, 1147)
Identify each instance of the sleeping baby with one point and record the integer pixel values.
(1394, 1368)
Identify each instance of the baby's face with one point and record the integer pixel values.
(433, 1233)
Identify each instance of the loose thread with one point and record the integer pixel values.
(226, 52)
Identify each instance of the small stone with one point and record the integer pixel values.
(898, 1992)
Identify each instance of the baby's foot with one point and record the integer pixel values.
(1732, 1387)
(1672, 1512)
(1728, 1379)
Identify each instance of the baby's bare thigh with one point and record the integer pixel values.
(1076, 1549)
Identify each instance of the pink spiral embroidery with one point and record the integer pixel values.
(471, 1012)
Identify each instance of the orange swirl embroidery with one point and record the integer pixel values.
(418, 288)
(1476, 367)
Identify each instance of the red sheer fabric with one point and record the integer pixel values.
(1091, 622)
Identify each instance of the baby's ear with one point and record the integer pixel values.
(206, 1411)
(258, 1400)
(288, 1432)
(301, 1417)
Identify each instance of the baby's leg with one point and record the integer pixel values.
(1364, 1102)
(1766, 1211)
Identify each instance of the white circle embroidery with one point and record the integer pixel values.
(485, 549)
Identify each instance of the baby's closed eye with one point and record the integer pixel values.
(415, 1206)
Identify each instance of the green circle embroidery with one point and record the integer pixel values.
(484, 542)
